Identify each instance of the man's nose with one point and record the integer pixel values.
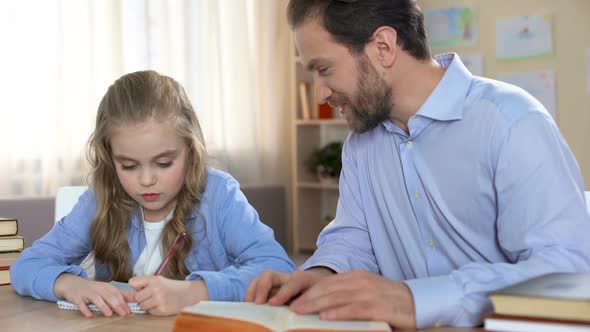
(323, 92)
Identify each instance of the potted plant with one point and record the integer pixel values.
(326, 162)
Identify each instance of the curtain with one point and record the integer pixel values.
(59, 57)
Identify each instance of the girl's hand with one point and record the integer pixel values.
(81, 292)
(163, 297)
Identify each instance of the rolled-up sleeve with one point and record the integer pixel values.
(248, 242)
(59, 251)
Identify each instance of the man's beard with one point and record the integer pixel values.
(373, 102)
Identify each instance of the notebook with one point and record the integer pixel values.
(65, 305)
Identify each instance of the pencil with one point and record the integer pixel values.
(173, 249)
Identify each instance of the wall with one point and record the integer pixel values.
(571, 38)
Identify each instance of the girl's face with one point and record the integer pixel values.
(150, 159)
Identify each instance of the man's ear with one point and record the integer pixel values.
(384, 46)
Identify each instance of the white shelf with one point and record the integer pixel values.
(318, 185)
(312, 201)
(320, 122)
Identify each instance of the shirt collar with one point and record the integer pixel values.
(445, 103)
(137, 216)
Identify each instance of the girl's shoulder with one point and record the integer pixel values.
(216, 174)
(218, 180)
(221, 189)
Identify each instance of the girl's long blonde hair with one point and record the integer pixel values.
(134, 98)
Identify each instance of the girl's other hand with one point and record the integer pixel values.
(81, 292)
(163, 297)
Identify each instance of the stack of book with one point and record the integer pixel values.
(552, 302)
(11, 245)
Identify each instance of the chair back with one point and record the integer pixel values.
(66, 198)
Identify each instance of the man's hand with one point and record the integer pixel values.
(359, 295)
(81, 292)
(278, 288)
(163, 297)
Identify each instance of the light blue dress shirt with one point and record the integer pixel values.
(231, 245)
(483, 193)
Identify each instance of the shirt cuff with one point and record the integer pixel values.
(331, 266)
(319, 260)
(49, 275)
(436, 301)
(218, 288)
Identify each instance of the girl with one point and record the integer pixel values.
(150, 182)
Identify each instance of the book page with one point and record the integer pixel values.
(270, 316)
(299, 322)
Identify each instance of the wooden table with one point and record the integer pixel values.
(18, 314)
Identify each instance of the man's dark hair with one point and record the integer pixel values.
(352, 22)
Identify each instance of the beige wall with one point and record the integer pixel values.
(571, 37)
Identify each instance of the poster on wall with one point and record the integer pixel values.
(473, 62)
(540, 84)
(523, 37)
(449, 27)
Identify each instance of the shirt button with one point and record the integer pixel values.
(417, 195)
(431, 243)
(409, 144)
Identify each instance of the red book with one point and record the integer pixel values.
(6, 260)
(325, 111)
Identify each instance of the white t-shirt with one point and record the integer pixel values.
(151, 256)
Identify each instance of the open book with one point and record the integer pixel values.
(250, 317)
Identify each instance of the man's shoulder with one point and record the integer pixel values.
(358, 140)
(507, 101)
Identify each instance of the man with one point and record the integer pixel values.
(452, 185)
